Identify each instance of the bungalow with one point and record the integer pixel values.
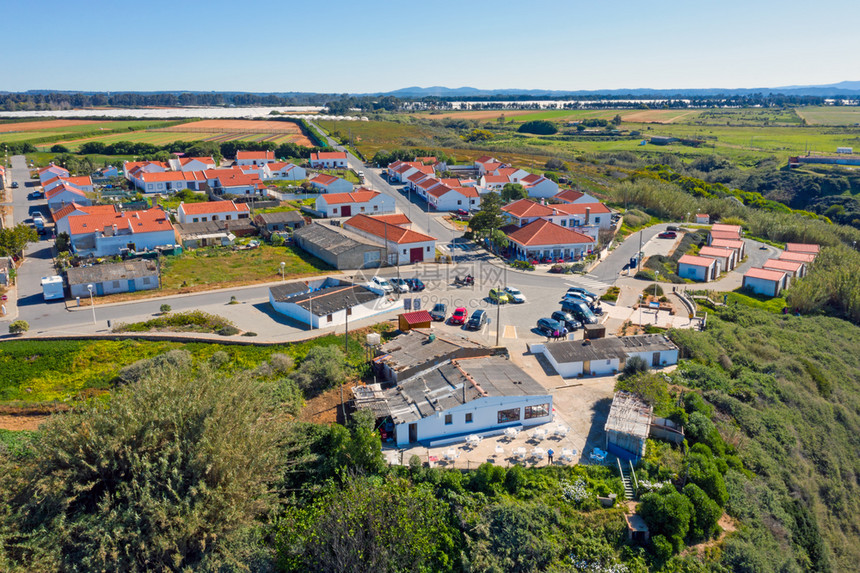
(108, 235)
(445, 198)
(349, 204)
(409, 246)
(212, 211)
(810, 249)
(171, 181)
(605, 356)
(702, 219)
(514, 174)
(131, 170)
(765, 281)
(702, 269)
(62, 215)
(285, 171)
(794, 269)
(427, 185)
(326, 183)
(400, 171)
(219, 233)
(571, 196)
(726, 257)
(192, 163)
(238, 183)
(418, 177)
(83, 183)
(460, 397)
(340, 248)
(489, 166)
(545, 239)
(806, 258)
(112, 278)
(106, 172)
(417, 350)
(738, 245)
(329, 302)
(524, 211)
(254, 157)
(50, 172)
(725, 232)
(63, 195)
(280, 222)
(539, 186)
(587, 218)
(492, 182)
(329, 160)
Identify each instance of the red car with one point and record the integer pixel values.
(667, 235)
(459, 316)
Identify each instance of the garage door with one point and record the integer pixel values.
(416, 255)
(346, 211)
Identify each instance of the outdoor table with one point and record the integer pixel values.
(500, 450)
(540, 434)
(473, 440)
(539, 453)
(561, 431)
(450, 455)
(521, 453)
(567, 454)
(511, 432)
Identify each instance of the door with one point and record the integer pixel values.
(655, 359)
(131, 287)
(416, 255)
(586, 367)
(346, 211)
(100, 289)
(413, 433)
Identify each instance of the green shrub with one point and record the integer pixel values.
(611, 294)
(645, 274)
(227, 331)
(634, 366)
(654, 289)
(164, 308)
(19, 327)
(538, 127)
(706, 513)
(523, 265)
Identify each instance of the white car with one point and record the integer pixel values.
(515, 295)
(380, 282)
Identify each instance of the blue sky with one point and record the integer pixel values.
(368, 46)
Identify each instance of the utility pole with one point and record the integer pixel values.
(639, 254)
(498, 321)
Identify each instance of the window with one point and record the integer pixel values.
(449, 419)
(428, 249)
(468, 417)
(538, 411)
(564, 222)
(362, 209)
(203, 219)
(115, 284)
(147, 280)
(459, 202)
(328, 318)
(195, 220)
(349, 313)
(597, 220)
(334, 210)
(227, 218)
(376, 207)
(511, 415)
(404, 251)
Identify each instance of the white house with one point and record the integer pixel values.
(793, 269)
(606, 356)
(409, 246)
(735, 244)
(807, 248)
(514, 174)
(400, 171)
(726, 257)
(238, 183)
(132, 169)
(544, 239)
(50, 172)
(539, 186)
(64, 214)
(285, 171)
(328, 302)
(766, 282)
(360, 201)
(326, 183)
(805, 258)
(444, 198)
(571, 196)
(108, 235)
(63, 195)
(170, 181)
(329, 160)
(702, 269)
(192, 163)
(492, 182)
(212, 211)
(84, 183)
(112, 278)
(461, 397)
(254, 157)
(703, 219)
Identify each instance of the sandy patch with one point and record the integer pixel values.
(44, 125)
(18, 423)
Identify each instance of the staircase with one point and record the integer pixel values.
(628, 476)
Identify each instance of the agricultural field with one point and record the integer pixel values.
(830, 115)
(371, 136)
(61, 129)
(153, 137)
(276, 131)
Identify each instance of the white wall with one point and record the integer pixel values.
(372, 308)
(330, 163)
(66, 197)
(339, 186)
(484, 417)
(668, 357)
(545, 189)
(109, 287)
(762, 286)
(294, 174)
(452, 200)
(382, 203)
(693, 272)
(107, 246)
(566, 369)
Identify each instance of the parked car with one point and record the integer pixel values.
(380, 282)
(672, 228)
(439, 312)
(575, 296)
(477, 320)
(415, 284)
(549, 327)
(499, 296)
(583, 292)
(566, 319)
(515, 295)
(37, 194)
(459, 316)
(667, 235)
(399, 284)
(14, 185)
(579, 310)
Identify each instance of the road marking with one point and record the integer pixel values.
(510, 331)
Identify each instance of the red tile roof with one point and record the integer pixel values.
(213, 207)
(429, 183)
(393, 219)
(492, 166)
(722, 252)
(543, 232)
(467, 191)
(324, 179)
(731, 244)
(779, 265)
(279, 165)
(255, 155)
(568, 196)
(426, 160)
(695, 261)
(531, 179)
(728, 235)
(60, 188)
(439, 190)
(417, 176)
(359, 196)
(241, 180)
(802, 257)
(736, 229)
(484, 159)
(581, 208)
(527, 208)
(148, 221)
(328, 155)
(450, 181)
(803, 248)
(764, 274)
(83, 181)
(382, 229)
(166, 176)
(206, 160)
(67, 210)
(54, 168)
(496, 179)
(416, 317)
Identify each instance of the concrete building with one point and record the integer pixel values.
(604, 356)
(255, 157)
(702, 269)
(284, 171)
(805, 258)
(329, 160)
(325, 183)
(353, 203)
(280, 222)
(725, 256)
(806, 248)
(412, 352)
(736, 244)
(112, 278)
(329, 302)
(406, 245)
(63, 195)
(104, 235)
(544, 239)
(212, 211)
(703, 219)
(339, 248)
(765, 281)
(794, 269)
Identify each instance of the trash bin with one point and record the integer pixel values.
(108, 324)
(78, 299)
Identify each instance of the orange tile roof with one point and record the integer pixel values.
(426, 159)
(278, 165)
(777, 264)
(580, 208)
(467, 191)
(506, 171)
(241, 180)
(328, 155)
(720, 227)
(492, 166)
(731, 244)
(527, 208)
(383, 229)
(324, 179)
(83, 180)
(393, 219)
(439, 190)
(764, 274)
(543, 232)
(568, 195)
(496, 179)
(164, 176)
(359, 196)
(255, 155)
(53, 168)
(67, 210)
(429, 183)
(695, 261)
(148, 221)
(206, 160)
(416, 317)
(450, 181)
(417, 176)
(532, 179)
(728, 235)
(484, 159)
(802, 257)
(716, 252)
(60, 188)
(803, 248)
(213, 207)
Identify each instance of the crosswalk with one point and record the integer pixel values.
(589, 282)
(449, 247)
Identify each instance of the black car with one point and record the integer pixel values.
(14, 185)
(477, 320)
(415, 284)
(439, 312)
(579, 310)
(566, 319)
(549, 327)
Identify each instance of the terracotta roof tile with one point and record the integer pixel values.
(383, 229)
(148, 221)
(776, 264)
(255, 155)
(764, 274)
(802, 257)
(328, 155)
(527, 208)
(543, 232)
(213, 207)
(803, 248)
(568, 196)
(695, 261)
(358, 196)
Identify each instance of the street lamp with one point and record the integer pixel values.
(92, 304)
(656, 278)
(282, 265)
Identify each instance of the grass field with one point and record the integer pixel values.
(218, 267)
(371, 136)
(830, 115)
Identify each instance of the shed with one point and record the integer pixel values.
(637, 529)
(418, 349)
(594, 331)
(338, 247)
(766, 282)
(112, 278)
(269, 223)
(417, 319)
(628, 425)
(702, 218)
(608, 355)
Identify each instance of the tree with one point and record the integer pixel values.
(634, 366)
(172, 473)
(706, 513)
(164, 308)
(703, 471)
(478, 135)
(63, 242)
(14, 240)
(667, 513)
(489, 217)
(322, 368)
(356, 447)
(19, 327)
(556, 164)
(513, 192)
(538, 127)
(617, 119)
(59, 148)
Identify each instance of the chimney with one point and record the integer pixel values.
(114, 229)
(155, 202)
(587, 215)
(136, 215)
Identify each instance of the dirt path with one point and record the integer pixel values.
(728, 526)
(18, 423)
